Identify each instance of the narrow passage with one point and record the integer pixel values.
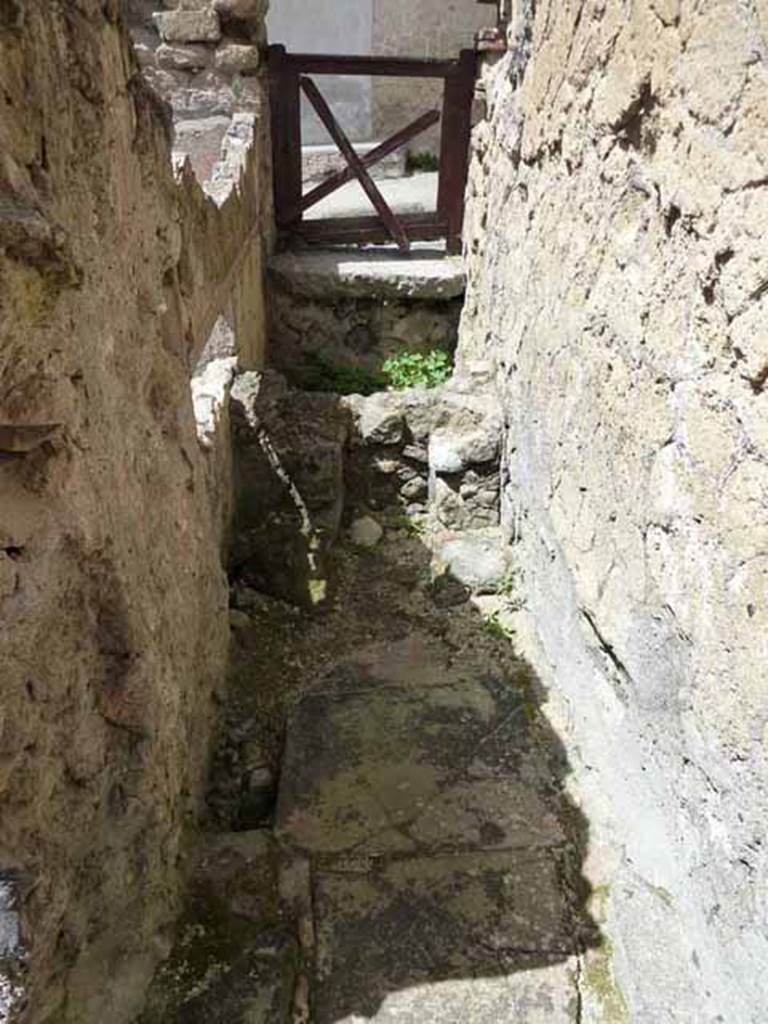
(426, 856)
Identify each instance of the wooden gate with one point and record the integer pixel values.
(289, 77)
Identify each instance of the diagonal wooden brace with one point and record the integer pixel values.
(356, 165)
(394, 142)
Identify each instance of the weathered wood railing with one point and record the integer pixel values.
(289, 78)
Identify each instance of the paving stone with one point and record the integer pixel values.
(418, 659)
(484, 938)
(359, 768)
(542, 993)
(488, 814)
(428, 842)
(396, 771)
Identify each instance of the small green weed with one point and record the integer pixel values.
(417, 369)
(342, 379)
(511, 587)
(421, 161)
(402, 521)
(497, 629)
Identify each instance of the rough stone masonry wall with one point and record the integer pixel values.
(112, 595)
(203, 57)
(619, 279)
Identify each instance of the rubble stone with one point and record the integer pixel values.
(188, 26)
(238, 59)
(451, 451)
(366, 532)
(183, 58)
(480, 559)
(381, 419)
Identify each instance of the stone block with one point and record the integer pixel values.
(366, 532)
(181, 26)
(480, 560)
(451, 451)
(241, 10)
(381, 419)
(238, 59)
(385, 275)
(183, 58)
(145, 55)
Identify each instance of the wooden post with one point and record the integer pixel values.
(454, 146)
(285, 106)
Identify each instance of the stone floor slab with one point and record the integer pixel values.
(360, 766)
(404, 771)
(415, 661)
(475, 938)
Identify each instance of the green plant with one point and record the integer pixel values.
(421, 161)
(417, 369)
(400, 520)
(498, 629)
(510, 587)
(318, 374)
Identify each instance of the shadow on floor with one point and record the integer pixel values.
(424, 792)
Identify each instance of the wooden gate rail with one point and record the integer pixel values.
(288, 78)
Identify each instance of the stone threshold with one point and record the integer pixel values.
(426, 272)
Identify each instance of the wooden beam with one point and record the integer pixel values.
(353, 230)
(325, 188)
(356, 165)
(399, 67)
(454, 146)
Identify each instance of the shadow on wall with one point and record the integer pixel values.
(432, 855)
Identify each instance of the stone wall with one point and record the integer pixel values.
(112, 593)
(203, 57)
(419, 28)
(335, 26)
(376, 108)
(339, 312)
(618, 278)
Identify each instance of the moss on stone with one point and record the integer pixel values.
(599, 985)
